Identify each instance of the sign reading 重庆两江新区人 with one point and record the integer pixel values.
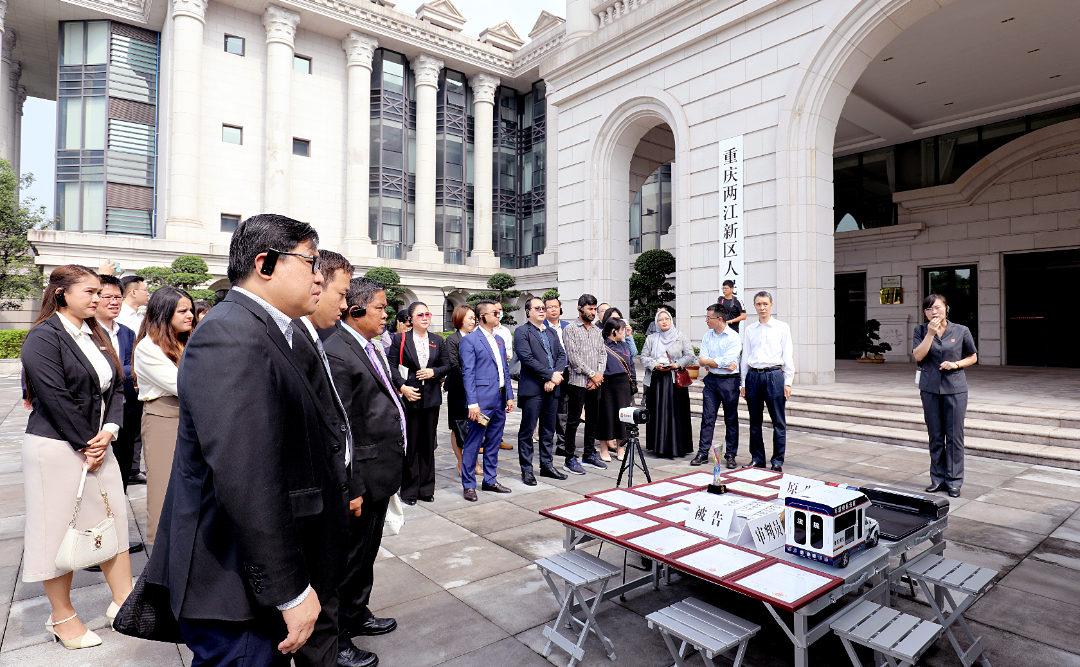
(731, 211)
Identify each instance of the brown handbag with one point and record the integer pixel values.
(682, 378)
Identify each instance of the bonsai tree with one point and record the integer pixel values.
(649, 288)
(391, 282)
(185, 272)
(870, 342)
(502, 291)
(552, 293)
(20, 278)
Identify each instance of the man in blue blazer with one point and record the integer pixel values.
(486, 377)
(542, 363)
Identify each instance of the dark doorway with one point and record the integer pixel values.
(1037, 321)
(850, 301)
(960, 287)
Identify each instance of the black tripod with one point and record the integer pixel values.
(634, 457)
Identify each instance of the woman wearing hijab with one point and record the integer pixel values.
(668, 433)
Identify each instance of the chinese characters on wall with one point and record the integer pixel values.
(731, 211)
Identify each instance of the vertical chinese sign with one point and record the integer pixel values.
(731, 211)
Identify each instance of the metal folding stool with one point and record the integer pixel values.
(578, 569)
(901, 638)
(950, 576)
(709, 630)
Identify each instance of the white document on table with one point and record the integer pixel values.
(792, 485)
(676, 512)
(625, 499)
(661, 489)
(695, 479)
(783, 582)
(623, 524)
(719, 560)
(752, 509)
(583, 510)
(667, 540)
(752, 474)
(754, 489)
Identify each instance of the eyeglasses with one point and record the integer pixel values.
(497, 313)
(707, 318)
(934, 307)
(422, 316)
(537, 308)
(112, 299)
(315, 261)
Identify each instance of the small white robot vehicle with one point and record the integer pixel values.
(828, 523)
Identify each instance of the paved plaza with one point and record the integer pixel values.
(460, 577)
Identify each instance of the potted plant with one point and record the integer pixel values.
(694, 368)
(871, 345)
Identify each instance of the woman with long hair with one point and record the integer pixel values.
(617, 391)
(73, 381)
(628, 333)
(669, 432)
(162, 337)
(457, 413)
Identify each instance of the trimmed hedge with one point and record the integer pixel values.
(11, 341)
(639, 340)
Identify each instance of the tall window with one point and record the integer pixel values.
(519, 227)
(650, 214)
(392, 155)
(451, 194)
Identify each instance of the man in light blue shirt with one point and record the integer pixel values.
(720, 349)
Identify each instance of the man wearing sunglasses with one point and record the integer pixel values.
(253, 533)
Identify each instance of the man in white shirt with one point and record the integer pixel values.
(720, 350)
(767, 374)
(136, 296)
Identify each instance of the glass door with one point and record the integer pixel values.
(850, 308)
(960, 286)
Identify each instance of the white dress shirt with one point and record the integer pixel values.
(102, 366)
(557, 328)
(767, 345)
(494, 345)
(722, 348)
(156, 372)
(114, 335)
(502, 331)
(130, 318)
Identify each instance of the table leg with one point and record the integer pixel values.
(802, 650)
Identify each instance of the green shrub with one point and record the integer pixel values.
(639, 340)
(11, 341)
(447, 334)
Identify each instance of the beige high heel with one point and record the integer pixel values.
(85, 640)
(111, 613)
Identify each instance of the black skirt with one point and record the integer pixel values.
(457, 413)
(615, 395)
(668, 433)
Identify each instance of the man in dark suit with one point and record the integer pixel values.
(542, 361)
(553, 309)
(486, 376)
(377, 418)
(309, 350)
(251, 536)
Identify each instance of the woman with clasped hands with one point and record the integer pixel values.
(668, 433)
(943, 349)
(73, 382)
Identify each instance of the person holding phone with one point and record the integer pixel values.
(943, 349)
(668, 432)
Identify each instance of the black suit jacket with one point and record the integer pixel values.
(255, 509)
(378, 445)
(438, 361)
(334, 427)
(535, 370)
(67, 392)
(455, 384)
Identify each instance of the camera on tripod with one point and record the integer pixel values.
(632, 415)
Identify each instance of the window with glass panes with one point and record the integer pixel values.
(650, 213)
(519, 226)
(392, 155)
(451, 135)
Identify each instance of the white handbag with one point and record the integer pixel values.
(84, 548)
(395, 516)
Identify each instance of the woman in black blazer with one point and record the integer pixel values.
(457, 413)
(73, 380)
(418, 363)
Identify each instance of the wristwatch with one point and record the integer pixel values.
(591, 373)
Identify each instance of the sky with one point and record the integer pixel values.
(39, 116)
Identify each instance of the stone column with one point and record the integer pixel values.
(359, 50)
(427, 70)
(280, 24)
(7, 97)
(483, 87)
(16, 154)
(189, 17)
(580, 20)
(12, 142)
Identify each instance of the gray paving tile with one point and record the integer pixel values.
(26, 622)
(1059, 552)
(550, 497)
(396, 583)
(515, 601)
(532, 541)
(1043, 620)
(463, 562)
(1046, 580)
(977, 533)
(1042, 488)
(1007, 517)
(116, 650)
(424, 533)
(432, 630)
(491, 517)
(1052, 506)
(509, 651)
(1070, 530)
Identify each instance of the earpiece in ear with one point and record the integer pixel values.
(358, 311)
(61, 299)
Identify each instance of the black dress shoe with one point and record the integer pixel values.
(700, 459)
(551, 472)
(409, 502)
(354, 657)
(428, 499)
(935, 487)
(561, 451)
(136, 547)
(470, 495)
(730, 461)
(528, 479)
(758, 465)
(494, 488)
(137, 478)
(777, 468)
(374, 626)
(954, 493)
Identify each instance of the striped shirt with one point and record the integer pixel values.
(584, 351)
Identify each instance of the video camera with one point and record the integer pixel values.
(632, 415)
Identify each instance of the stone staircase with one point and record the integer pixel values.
(1047, 437)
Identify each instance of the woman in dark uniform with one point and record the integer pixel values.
(457, 414)
(943, 349)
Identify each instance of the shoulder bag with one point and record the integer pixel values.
(622, 362)
(681, 377)
(84, 548)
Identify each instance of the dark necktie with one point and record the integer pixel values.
(337, 399)
(547, 348)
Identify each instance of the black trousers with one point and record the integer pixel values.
(130, 430)
(540, 408)
(561, 409)
(720, 391)
(589, 400)
(421, 427)
(254, 643)
(766, 390)
(944, 414)
(365, 536)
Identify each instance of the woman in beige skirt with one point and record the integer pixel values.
(169, 319)
(72, 377)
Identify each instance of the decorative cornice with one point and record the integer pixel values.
(546, 21)
(280, 24)
(196, 9)
(441, 13)
(534, 52)
(15, 74)
(20, 97)
(483, 86)
(9, 44)
(502, 36)
(427, 70)
(359, 49)
(134, 11)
